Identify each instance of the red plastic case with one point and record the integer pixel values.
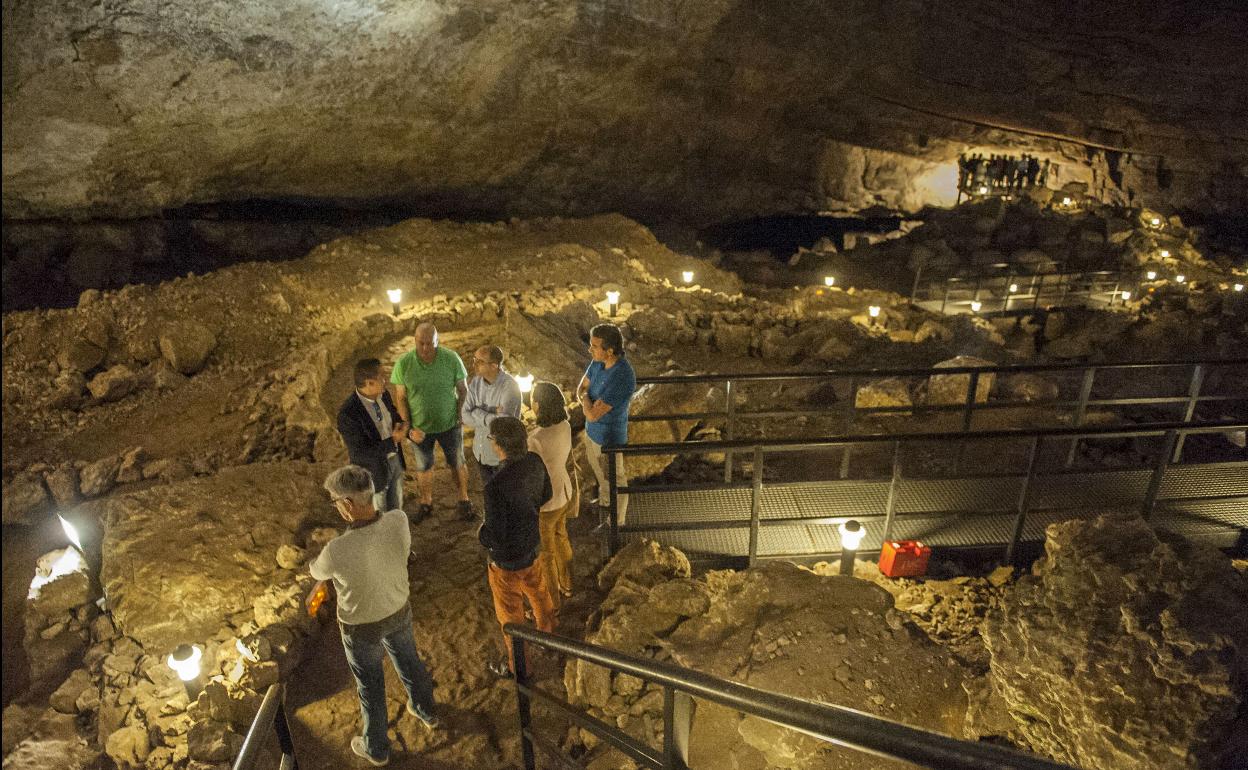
(904, 558)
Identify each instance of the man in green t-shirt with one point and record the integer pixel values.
(430, 384)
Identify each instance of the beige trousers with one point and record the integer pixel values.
(598, 462)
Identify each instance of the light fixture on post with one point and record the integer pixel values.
(1013, 288)
(1165, 253)
(976, 305)
(829, 280)
(687, 276)
(1180, 278)
(184, 660)
(613, 303)
(525, 381)
(396, 299)
(1126, 296)
(1238, 287)
(1067, 201)
(1155, 221)
(851, 537)
(874, 311)
(1151, 275)
(983, 190)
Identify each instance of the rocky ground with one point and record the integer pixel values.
(185, 426)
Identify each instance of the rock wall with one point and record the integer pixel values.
(1126, 648)
(705, 110)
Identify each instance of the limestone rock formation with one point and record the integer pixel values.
(778, 627)
(186, 345)
(953, 389)
(708, 108)
(179, 559)
(1126, 648)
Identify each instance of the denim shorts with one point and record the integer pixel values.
(452, 443)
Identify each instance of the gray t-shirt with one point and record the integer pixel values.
(369, 568)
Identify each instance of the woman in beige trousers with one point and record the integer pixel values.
(552, 441)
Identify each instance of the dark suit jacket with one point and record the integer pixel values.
(364, 446)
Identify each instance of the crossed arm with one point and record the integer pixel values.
(593, 410)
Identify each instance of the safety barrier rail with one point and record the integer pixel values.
(835, 724)
(1197, 383)
(1007, 290)
(1045, 456)
(271, 715)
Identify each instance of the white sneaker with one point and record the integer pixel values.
(357, 746)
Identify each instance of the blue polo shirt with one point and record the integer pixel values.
(613, 386)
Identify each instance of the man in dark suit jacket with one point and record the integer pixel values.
(372, 429)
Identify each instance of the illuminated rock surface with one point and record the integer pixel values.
(1125, 648)
(705, 109)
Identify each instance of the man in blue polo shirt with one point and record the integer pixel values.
(604, 393)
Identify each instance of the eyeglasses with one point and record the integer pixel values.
(482, 361)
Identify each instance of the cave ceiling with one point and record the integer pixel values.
(700, 110)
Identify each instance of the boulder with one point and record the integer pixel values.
(63, 484)
(932, 330)
(945, 389)
(55, 742)
(23, 495)
(645, 562)
(113, 384)
(653, 325)
(128, 747)
(79, 355)
(880, 393)
(290, 556)
(1026, 386)
(1146, 665)
(67, 390)
(730, 338)
(210, 741)
(185, 345)
(131, 468)
(100, 476)
(65, 698)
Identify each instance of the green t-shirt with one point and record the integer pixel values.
(431, 388)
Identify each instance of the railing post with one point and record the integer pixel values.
(284, 741)
(729, 432)
(1085, 393)
(1036, 288)
(1154, 483)
(677, 724)
(756, 503)
(1024, 500)
(914, 290)
(613, 481)
(522, 703)
(891, 504)
(1193, 396)
(970, 401)
(945, 299)
(849, 424)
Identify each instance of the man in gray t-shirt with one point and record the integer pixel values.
(368, 566)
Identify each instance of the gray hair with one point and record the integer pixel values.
(351, 481)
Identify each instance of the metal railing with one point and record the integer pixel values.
(835, 724)
(272, 714)
(1076, 386)
(1064, 442)
(1003, 289)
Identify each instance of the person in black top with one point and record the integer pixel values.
(511, 533)
(371, 427)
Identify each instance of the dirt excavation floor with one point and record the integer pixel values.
(185, 429)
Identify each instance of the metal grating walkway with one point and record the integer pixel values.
(1206, 502)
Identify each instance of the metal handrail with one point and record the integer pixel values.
(882, 373)
(1173, 433)
(1107, 431)
(835, 724)
(272, 713)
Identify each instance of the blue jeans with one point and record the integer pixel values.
(363, 645)
(391, 497)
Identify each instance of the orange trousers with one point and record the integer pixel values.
(510, 589)
(556, 553)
